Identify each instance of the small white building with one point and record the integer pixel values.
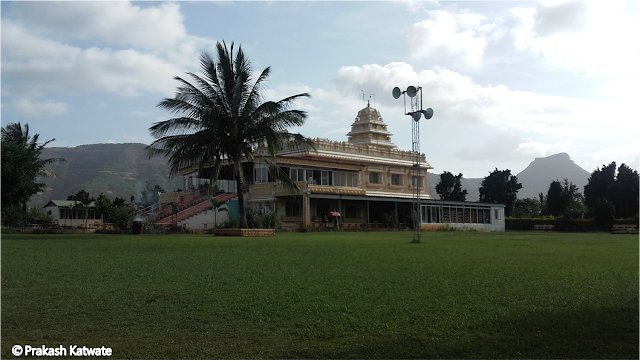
(72, 213)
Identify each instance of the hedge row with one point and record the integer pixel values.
(562, 224)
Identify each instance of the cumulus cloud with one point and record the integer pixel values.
(620, 154)
(39, 54)
(457, 39)
(458, 100)
(34, 109)
(117, 23)
(599, 39)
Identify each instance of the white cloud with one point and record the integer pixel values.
(508, 148)
(599, 39)
(34, 109)
(620, 154)
(457, 39)
(39, 65)
(38, 53)
(415, 5)
(457, 100)
(117, 23)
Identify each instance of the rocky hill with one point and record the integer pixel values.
(534, 179)
(542, 171)
(118, 170)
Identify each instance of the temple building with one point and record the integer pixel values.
(367, 180)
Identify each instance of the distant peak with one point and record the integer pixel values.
(558, 156)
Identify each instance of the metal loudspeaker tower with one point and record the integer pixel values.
(415, 112)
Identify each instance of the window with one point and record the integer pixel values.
(349, 179)
(374, 177)
(297, 174)
(396, 180)
(293, 209)
(260, 175)
(416, 181)
(326, 179)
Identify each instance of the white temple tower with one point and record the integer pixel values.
(369, 129)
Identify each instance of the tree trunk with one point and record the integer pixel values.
(243, 216)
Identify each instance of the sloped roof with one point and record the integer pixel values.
(67, 203)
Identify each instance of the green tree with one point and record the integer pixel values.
(601, 184)
(217, 206)
(21, 166)
(84, 200)
(526, 207)
(556, 203)
(626, 193)
(103, 206)
(500, 187)
(620, 191)
(449, 188)
(221, 117)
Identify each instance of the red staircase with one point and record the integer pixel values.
(189, 206)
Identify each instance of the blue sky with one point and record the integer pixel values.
(508, 81)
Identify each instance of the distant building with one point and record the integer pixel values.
(71, 213)
(366, 180)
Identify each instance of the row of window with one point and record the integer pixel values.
(396, 179)
(313, 176)
(437, 214)
(332, 178)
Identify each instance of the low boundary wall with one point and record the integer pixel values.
(245, 232)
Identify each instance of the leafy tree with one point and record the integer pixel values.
(626, 194)
(556, 204)
(118, 202)
(449, 188)
(21, 165)
(526, 207)
(103, 206)
(500, 187)
(600, 185)
(221, 118)
(564, 198)
(543, 204)
(35, 215)
(621, 191)
(604, 213)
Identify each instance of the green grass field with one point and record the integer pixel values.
(456, 295)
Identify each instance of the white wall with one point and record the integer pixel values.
(197, 221)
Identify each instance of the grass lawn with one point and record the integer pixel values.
(456, 295)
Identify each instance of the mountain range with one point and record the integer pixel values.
(122, 170)
(117, 170)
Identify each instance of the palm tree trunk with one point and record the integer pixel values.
(243, 216)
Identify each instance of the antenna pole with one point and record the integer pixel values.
(416, 113)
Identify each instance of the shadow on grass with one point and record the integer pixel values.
(579, 334)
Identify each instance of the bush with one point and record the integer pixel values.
(270, 221)
(252, 218)
(229, 224)
(527, 223)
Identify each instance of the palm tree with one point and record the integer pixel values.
(21, 165)
(221, 117)
(217, 206)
